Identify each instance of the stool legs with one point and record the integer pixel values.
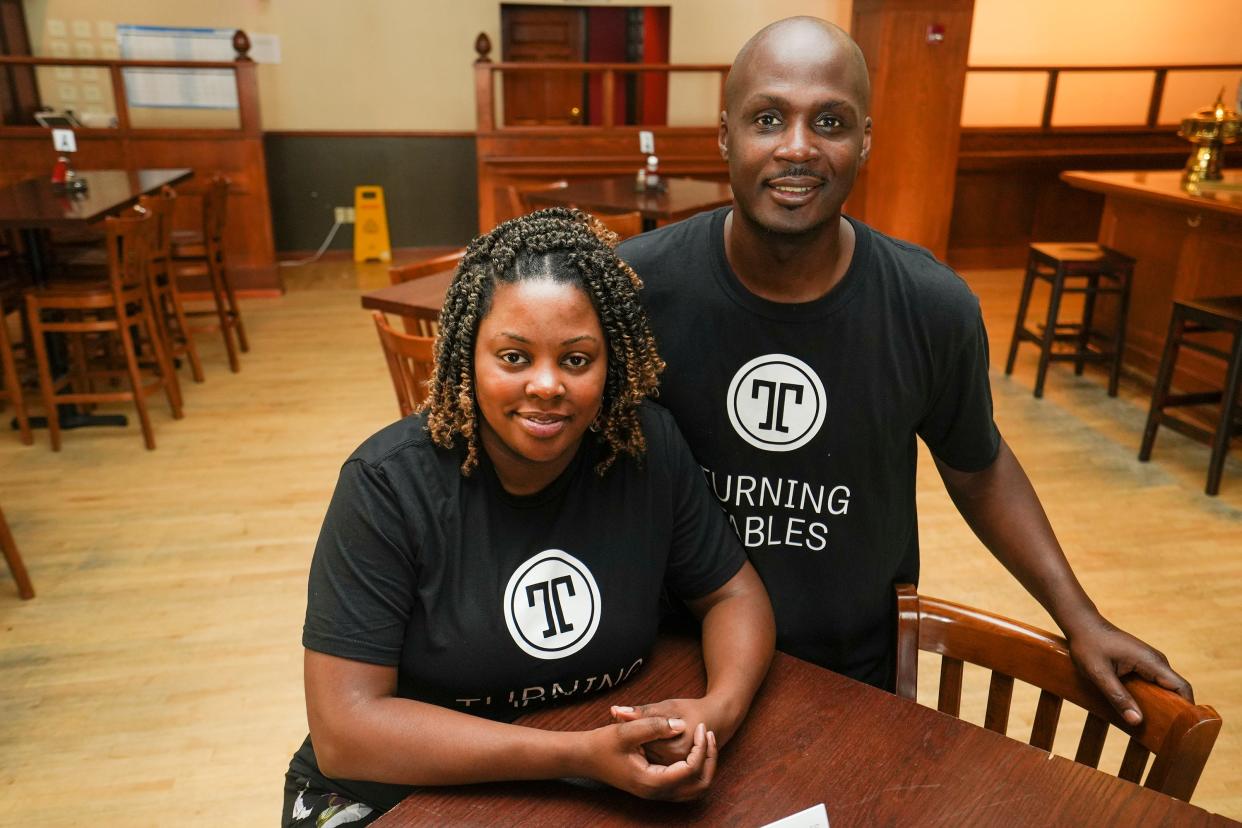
(1019, 324)
(12, 385)
(1164, 378)
(1119, 336)
(24, 587)
(1088, 318)
(37, 338)
(1224, 428)
(1050, 332)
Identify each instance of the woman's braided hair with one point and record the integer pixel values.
(567, 246)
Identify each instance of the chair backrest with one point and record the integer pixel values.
(517, 193)
(161, 207)
(129, 242)
(1179, 733)
(624, 225)
(215, 214)
(410, 363)
(427, 267)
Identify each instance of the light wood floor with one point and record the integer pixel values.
(156, 678)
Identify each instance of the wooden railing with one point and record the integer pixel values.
(1159, 75)
(235, 151)
(243, 70)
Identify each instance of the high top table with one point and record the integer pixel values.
(814, 736)
(35, 206)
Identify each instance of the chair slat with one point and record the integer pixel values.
(1091, 745)
(950, 700)
(1134, 762)
(1000, 696)
(1047, 714)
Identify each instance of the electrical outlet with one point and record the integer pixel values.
(646, 142)
(349, 215)
(343, 215)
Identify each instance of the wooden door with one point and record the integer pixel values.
(543, 33)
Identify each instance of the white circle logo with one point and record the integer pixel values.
(552, 605)
(776, 403)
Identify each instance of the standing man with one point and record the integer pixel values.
(805, 353)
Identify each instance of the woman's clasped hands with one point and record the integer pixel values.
(623, 755)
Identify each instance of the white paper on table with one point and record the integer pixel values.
(814, 817)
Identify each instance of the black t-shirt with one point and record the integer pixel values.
(804, 416)
(494, 604)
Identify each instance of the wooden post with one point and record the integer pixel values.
(484, 100)
(1157, 96)
(1050, 96)
(244, 72)
(610, 80)
(918, 75)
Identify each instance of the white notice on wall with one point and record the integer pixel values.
(186, 88)
(814, 817)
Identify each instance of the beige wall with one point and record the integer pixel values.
(1100, 33)
(403, 64)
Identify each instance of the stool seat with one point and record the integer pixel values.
(1074, 268)
(1192, 317)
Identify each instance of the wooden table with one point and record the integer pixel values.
(682, 197)
(814, 736)
(417, 298)
(34, 206)
(1186, 245)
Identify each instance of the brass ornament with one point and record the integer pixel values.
(1210, 129)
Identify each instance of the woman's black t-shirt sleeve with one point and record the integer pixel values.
(705, 552)
(363, 572)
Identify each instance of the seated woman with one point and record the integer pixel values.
(506, 548)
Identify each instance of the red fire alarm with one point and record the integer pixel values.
(935, 33)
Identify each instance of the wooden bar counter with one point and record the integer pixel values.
(1186, 246)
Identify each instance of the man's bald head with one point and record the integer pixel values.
(808, 35)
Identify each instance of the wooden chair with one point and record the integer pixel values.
(196, 253)
(24, 587)
(1179, 733)
(168, 311)
(116, 307)
(427, 320)
(410, 360)
(624, 225)
(518, 205)
(10, 375)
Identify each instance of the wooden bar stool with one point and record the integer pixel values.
(168, 312)
(1080, 267)
(194, 254)
(1222, 314)
(24, 587)
(117, 307)
(10, 375)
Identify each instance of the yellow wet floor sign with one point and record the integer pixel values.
(370, 225)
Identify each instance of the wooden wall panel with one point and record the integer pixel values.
(906, 188)
(1008, 194)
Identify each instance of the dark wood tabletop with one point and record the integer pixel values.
(814, 736)
(35, 203)
(682, 197)
(417, 297)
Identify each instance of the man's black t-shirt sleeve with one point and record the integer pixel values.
(363, 571)
(958, 427)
